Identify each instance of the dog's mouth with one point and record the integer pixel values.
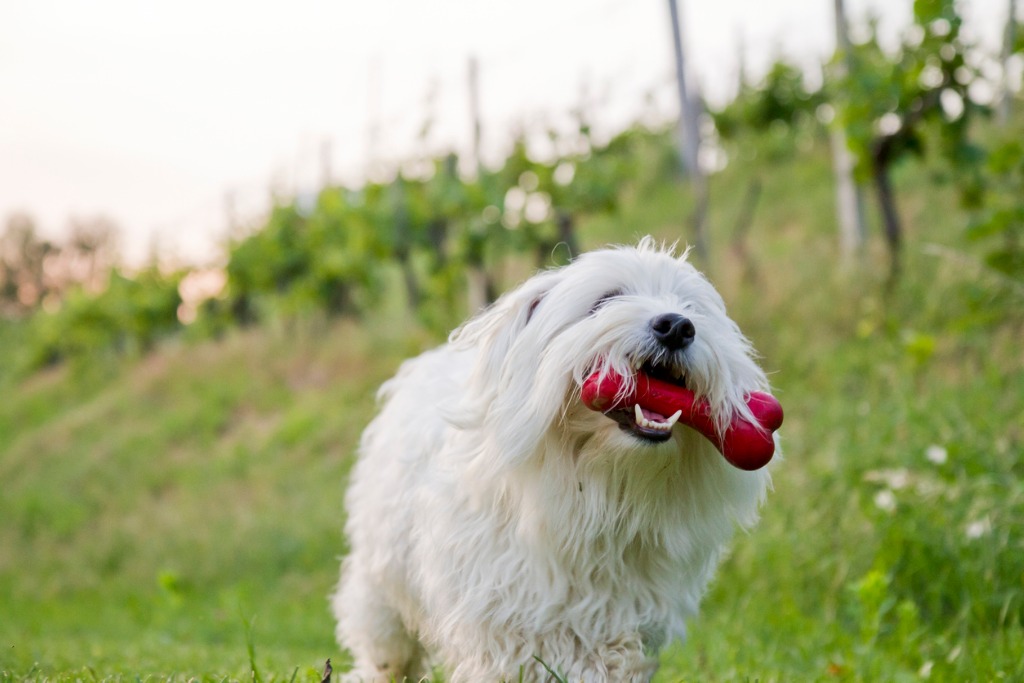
(644, 422)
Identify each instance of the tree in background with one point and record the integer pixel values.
(35, 271)
(90, 253)
(327, 258)
(781, 98)
(71, 300)
(1000, 222)
(127, 316)
(547, 198)
(887, 104)
(24, 283)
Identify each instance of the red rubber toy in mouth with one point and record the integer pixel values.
(744, 444)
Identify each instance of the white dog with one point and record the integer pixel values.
(503, 530)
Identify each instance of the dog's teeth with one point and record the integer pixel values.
(651, 424)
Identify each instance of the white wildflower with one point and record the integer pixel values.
(885, 500)
(895, 479)
(978, 528)
(898, 479)
(937, 454)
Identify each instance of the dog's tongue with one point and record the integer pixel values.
(651, 415)
(744, 444)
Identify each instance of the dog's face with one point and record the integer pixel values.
(618, 309)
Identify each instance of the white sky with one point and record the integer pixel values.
(150, 112)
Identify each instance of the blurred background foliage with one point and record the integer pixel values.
(336, 253)
(449, 231)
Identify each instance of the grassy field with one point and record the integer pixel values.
(179, 516)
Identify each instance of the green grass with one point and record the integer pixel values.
(180, 515)
(148, 521)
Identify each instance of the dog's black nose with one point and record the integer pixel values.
(673, 330)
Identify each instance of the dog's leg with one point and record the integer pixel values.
(368, 625)
(622, 660)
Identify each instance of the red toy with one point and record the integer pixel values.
(745, 445)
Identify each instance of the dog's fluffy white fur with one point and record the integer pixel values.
(498, 527)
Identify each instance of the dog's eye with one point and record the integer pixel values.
(533, 307)
(605, 299)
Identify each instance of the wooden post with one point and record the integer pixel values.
(849, 197)
(480, 290)
(326, 173)
(741, 58)
(474, 109)
(689, 137)
(231, 213)
(373, 117)
(1009, 38)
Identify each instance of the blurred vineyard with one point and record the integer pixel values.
(438, 237)
(442, 236)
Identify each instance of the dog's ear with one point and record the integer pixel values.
(494, 330)
(499, 390)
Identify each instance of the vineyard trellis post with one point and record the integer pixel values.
(479, 284)
(1009, 39)
(689, 138)
(849, 196)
